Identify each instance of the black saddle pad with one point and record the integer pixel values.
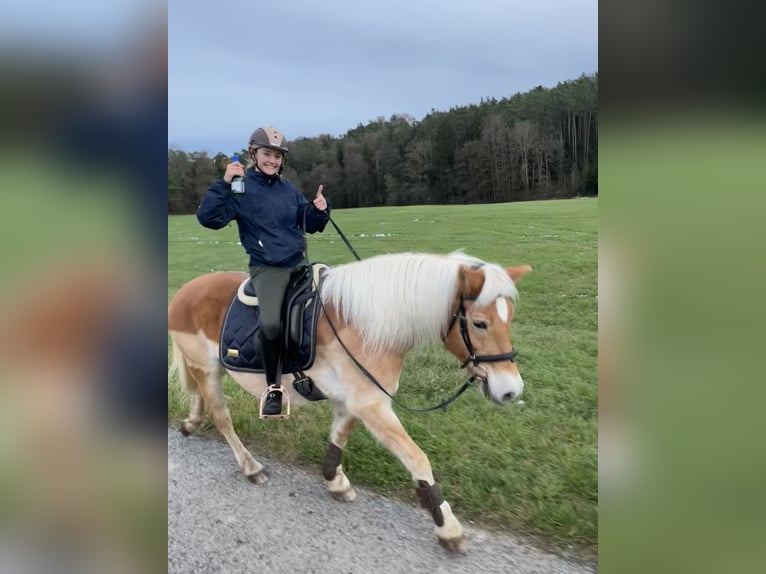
(240, 348)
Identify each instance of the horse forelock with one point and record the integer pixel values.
(497, 283)
(395, 301)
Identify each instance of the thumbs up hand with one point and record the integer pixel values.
(320, 202)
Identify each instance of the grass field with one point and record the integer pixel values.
(528, 469)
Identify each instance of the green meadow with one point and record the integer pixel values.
(528, 469)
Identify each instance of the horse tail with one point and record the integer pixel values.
(179, 366)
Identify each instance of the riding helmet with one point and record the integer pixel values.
(269, 137)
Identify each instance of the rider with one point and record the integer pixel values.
(270, 216)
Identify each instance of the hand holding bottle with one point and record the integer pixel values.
(234, 169)
(234, 175)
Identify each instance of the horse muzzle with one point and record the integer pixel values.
(501, 389)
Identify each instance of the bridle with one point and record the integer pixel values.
(460, 317)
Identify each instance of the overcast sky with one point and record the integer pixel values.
(310, 67)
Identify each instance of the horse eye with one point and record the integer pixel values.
(480, 324)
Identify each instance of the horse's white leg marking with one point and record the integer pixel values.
(337, 483)
(386, 427)
(450, 535)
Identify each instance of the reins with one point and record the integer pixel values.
(343, 237)
(441, 406)
(459, 314)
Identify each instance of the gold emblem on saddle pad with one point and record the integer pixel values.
(232, 353)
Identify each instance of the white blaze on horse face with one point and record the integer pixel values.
(504, 386)
(502, 309)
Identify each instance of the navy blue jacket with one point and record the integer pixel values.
(270, 217)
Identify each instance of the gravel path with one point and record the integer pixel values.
(218, 522)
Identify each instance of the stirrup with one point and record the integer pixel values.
(285, 397)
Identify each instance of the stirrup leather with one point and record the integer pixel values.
(285, 397)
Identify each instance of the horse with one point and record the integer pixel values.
(374, 311)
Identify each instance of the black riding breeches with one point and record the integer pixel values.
(270, 284)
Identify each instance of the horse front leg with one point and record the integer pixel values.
(386, 427)
(337, 483)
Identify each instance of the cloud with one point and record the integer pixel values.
(311, 68)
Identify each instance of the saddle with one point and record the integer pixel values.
(240, 349)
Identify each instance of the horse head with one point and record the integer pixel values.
(478, 333)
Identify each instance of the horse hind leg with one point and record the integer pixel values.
(190, 386)
(209, 383)
(338, 484)
(196, 412)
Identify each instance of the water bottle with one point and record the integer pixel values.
(237, 182)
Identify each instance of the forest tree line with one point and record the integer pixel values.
(540, 144)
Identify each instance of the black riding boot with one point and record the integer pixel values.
(272, 366)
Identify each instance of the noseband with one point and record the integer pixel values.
(460, 317)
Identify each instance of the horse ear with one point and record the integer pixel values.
(517, 273)
(471, 282)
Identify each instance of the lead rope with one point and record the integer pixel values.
(343, 237)
(441, 406)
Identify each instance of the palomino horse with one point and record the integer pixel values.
(380, 308)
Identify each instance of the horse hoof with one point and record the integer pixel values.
(260, 477)
(185, 431)
(348, 495)
(456, 545)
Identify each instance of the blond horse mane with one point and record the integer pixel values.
(399, 300)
